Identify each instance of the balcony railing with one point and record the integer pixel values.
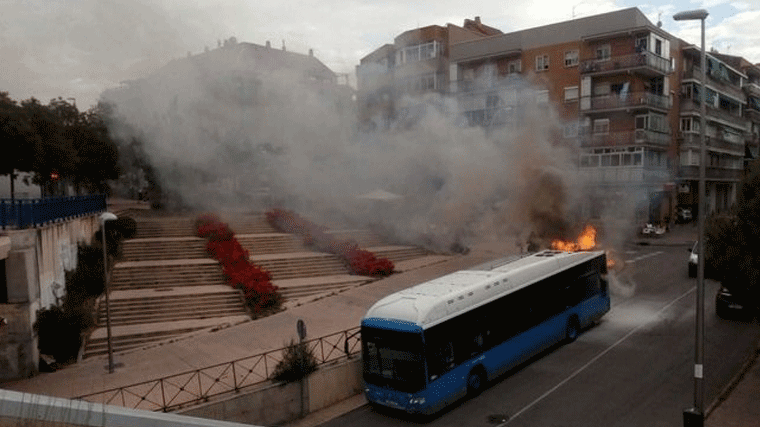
(629, 100)
(728, 88)
(752, 89)
(752, 114)
(711, 173)
(22, 213)
(688, 104)
(714, 142)
(647, 62)
(625, 138)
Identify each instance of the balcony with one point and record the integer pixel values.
(626, 138)
(635, 100)
(752, 89)
(725, 87)
(711, 173)
(646, 63)
(752, 114)
(689, 105)
(715, 143)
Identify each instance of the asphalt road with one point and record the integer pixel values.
(635, 368)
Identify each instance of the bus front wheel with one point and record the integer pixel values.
(475, 382)
(572, 330)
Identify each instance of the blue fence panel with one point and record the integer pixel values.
(22, 213)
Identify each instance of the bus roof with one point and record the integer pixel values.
(434, 301)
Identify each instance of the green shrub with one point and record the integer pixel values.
(127, 227)
(57, 334)
(297, 362)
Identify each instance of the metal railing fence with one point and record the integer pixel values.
(197, 386)
(23, 213)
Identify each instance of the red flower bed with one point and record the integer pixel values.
(360, 261)
(240, 273)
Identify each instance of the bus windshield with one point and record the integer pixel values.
(393, 359)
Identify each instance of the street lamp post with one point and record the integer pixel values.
(695, 416)
(107, 216)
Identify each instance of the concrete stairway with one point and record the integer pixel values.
(165, 306)
(163, 248)
(300, 264)
(165, 285)
(166, 274)
(164, 227)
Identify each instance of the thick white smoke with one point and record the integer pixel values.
(220, 135)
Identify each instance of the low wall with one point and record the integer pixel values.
(275, 404)
(32, 410)
(35, 264)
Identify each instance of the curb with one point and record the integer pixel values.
(725, 394)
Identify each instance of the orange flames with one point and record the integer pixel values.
(586, 241)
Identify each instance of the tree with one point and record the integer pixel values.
(731, 248)
(54, 154)
(15, 134)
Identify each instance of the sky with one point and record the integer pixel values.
(79, 48)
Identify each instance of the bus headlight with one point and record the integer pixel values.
(417, 401)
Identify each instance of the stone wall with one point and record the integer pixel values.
(35, 269)
(277, 404)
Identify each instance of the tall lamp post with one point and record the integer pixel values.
(107, 216)
(695, 416)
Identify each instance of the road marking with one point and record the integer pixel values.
(631, 261)
(594, 359)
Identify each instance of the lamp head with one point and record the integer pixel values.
(107, 216)
(691, 15)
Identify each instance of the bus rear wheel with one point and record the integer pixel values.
(475, 382)
(571, 333)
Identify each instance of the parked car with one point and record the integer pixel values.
(728, 306)
(653, 230)
(683, 215)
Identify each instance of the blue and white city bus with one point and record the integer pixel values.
(429, 345)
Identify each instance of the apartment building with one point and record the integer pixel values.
(390, 78)
(726, 131)
(610, 79)
(751, 88)
(626, 96)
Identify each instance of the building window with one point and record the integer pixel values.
(602, 89)
(514, 67)
(601, 126)
(603, 52)
(542, 62)
(641, 44)
(571, 58)
(688, 124)
(642, 122)
(571, 93)
(542, 96)
(658, 47)
(589, 161)
(418, 52)
(571, 130)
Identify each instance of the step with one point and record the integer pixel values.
(117, 320)
(97, 347)
(135, 336)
